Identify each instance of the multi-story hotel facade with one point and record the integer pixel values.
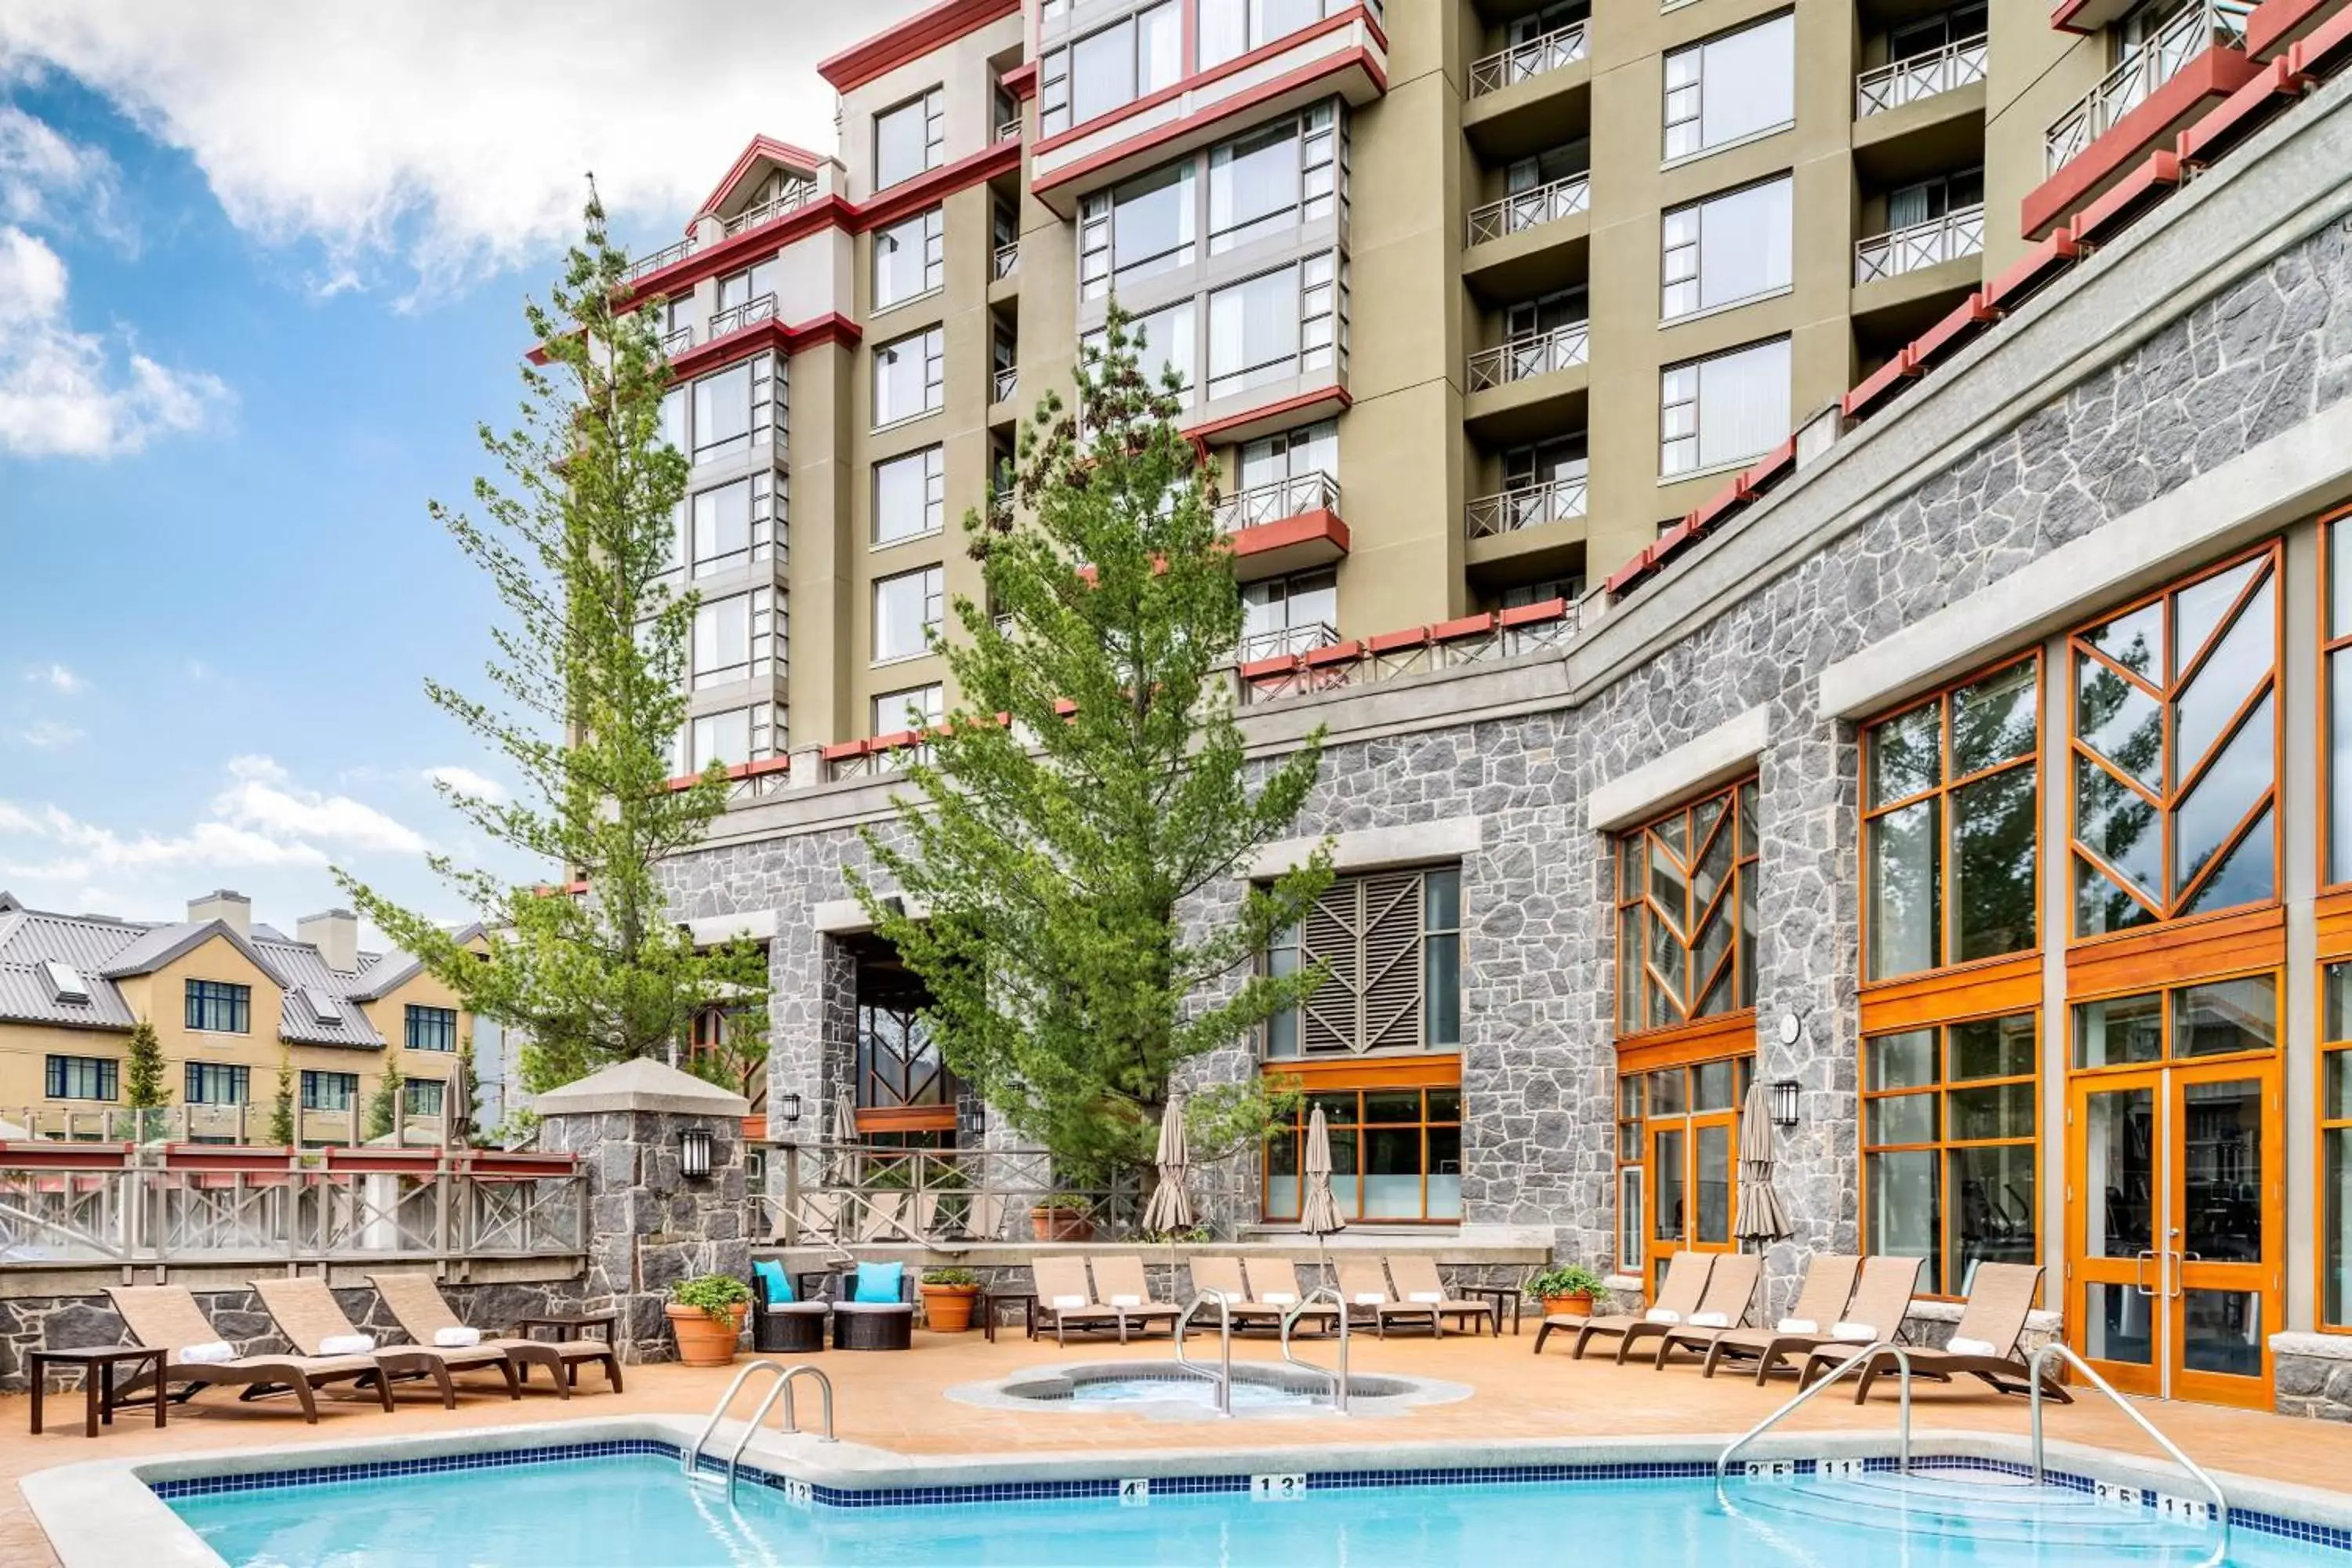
(1926, 707)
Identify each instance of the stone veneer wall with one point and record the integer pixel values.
(2267, 352)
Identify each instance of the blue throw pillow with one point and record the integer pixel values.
(771, 1274)
(878, 1281)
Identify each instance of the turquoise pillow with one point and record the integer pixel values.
(878, 1281)
(771, 1274)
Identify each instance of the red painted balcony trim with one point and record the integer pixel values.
(783, 152)
(910, 196)
(2029, 272)
(1529, 614)
(835, 328)
(1217, 72)
(1766, 469)
(1725, 502)
(1021, 82)
(2274, 24)
(2276, 85)
(1202, 436)
(2128, 198)
(911, 39)
(1967, 319)
(2315, 53)
(1338, 653)
(896, 740)
(1644, 559)
(1467, 626)
(2216, 73)
(1305, 529)
(2062, 17)
(1259, 669)
(1392, 642)
(738, 771)
(1881, 383)
(842, 750)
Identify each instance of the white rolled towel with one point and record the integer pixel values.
(1426, 1297)
(458, 1337)
(1663, 1315)
(1959, 1344)
(1369, 1298)
(347, 1344)
(1797, 1326)
(1855, 1333)
(1060, 1301)
(1281, 1298)
(210, 1353)
(1710, 1321)
(1126, 1300)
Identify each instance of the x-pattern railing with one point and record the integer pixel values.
(1524, 62)
(1536, 354)
(1291, 496)
(1957, 233)
(1524, 210)
(2140, 73)
(1907, 81)
(1528, 506)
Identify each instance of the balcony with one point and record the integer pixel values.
(1287, 642)
(1272, 502)
(1526, 210)
(791, 199)
(1891, 86)
(1958, 233)
(1529, 506)
(1004, 383)
(1005, 261)
(2137, 78)
(734, 318)
(1522, 359)
(1524, 62)
(1008, 130)
(1283, 526)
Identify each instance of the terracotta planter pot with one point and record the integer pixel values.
(1580, 1306)
(947, 1309)
(700, 1341)
(1060, 1224)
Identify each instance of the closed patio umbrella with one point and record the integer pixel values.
(844, 1133)
(1761, 1219)
(1318, 1211)
(1170, 1209)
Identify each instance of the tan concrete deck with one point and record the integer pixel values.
(894, 1401)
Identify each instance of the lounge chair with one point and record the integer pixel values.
(1065, 1299)
(416, 1304)
(1364, 1286)
(307, 1313)
(2000, 1297)
(1120, 1285)
(1729, 1296)
(1821, 1300)
(1274, 1282)
(1418, 1282)
(1678, 1295)
(1880, 1301)
(166, 1317)
(1222, 1277)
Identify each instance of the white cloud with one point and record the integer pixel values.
(57, 678)
(447, 132)
(48, 735)
(60, 393)
(76, 849)
(466, 781)
(264, 804)
(48, 180)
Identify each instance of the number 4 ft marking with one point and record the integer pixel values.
(1136, 1493)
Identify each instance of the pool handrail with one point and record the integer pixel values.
(1340, 1378)
(1222, 1378)
(788, 1422)
(719, 1412)
(2033, 1365)
(1860, 1358)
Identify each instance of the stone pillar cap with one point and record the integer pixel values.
(642, 1084)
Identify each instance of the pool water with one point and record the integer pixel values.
(1248, 1394)
(637, 1511)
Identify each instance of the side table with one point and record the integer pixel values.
(574, 1326)
(1499, 1296)
(991, 1300)
(97, 1380)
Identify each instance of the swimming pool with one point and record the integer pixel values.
(626, 1503)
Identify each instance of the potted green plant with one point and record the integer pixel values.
(707, 1315)
(949, 1296)
(1062, 1216)
(1568, 1288)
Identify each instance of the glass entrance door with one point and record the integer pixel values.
(2175, 1265)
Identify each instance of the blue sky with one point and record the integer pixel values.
(260, 274)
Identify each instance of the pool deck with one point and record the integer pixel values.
(897, 1402)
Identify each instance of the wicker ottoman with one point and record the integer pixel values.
(791, 1326)
(873, 1325)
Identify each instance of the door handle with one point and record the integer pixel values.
(2139, 1271)
(2181, 1261)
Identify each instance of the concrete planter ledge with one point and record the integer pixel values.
(2317, 1347)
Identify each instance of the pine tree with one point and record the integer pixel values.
(384, 1107)
(590, 683)
(1054, 853)
(281, 1107)
(143, 1080)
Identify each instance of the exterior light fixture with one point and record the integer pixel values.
(788, 1107)
(1784, 1101)
(694, 1153)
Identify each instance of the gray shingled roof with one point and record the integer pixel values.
(28, 937)
(297, 966)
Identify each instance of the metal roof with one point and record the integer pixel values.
(298, 964)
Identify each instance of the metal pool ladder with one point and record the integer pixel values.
(1221, 1377)
(2033, 1365)
(1860, 1358)
(789, 1421)
(1340, 1378)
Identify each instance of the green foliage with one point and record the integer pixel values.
(143, 1080)
(949, 1276)
(384, 1106)
(1076, 1203)
(589, 698)
(1053, 852)
(1568, 1280)
(1197, 1233)
(714, 1293)
(282, 1106)
(735, 1060)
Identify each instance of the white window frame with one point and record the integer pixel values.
(927, 228)
(932, 462)
(931, 105)
(931, 343)
(1682, 413)
(1244, 21)
(707, 655)
(1056, 112)
(1188, 313)
(931, 583)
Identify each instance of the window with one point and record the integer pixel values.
(1164, 342)
(1632, 1231)
(1274, 179)
(82, 1077)
(2335, 746)
(1950, 845)
(219, 1007)
(734, 638)
(1135, 230)
(1948, 1132)
(1677, 1153)
(1717, 411)
(431, 1029)
(732, 409)
(1521, 596)
(909, 377)
(1561, 461)
(1132, 58)
(1274, 326)
(910, 496)
(736, 735)
(422, 1095)
(1550, 19)
(1917, 38)
(1536, 170)
(737, 289)
(1545, 314)
(1232, 27)
(214, 1083)
(2210, 1018)
(2175, 761)
(909, 257)
(1391, 945)
(898, 1062)
(1927, 200)
(329, 1090)
(1396, 1154)
(1686, 913)
(2336, 1147)
(1291, 615)
(1291, 454)
(907, 611)
(915, 707)
(1727, 88)
(908, 139)
(1727, 248)
(732, 524)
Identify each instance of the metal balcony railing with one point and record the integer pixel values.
(2140, 73)
(1279, 498)
(1009, 129)
(1007, 259)
(676, 342)
(1957, 233)
(1538, 354)
(1524, 210)
(1282, 640)
(644, 265)
(1524, 62)
(1004, 385)
(750, 313)
(1529, 506)
(1898, 82)
(792, 197)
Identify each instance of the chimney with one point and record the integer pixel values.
(222, 904)
(336, 935)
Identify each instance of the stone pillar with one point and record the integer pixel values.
(648, 1225)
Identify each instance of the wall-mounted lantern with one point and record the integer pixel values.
(1784, 1101)
(788, 1107)
(694, 1153)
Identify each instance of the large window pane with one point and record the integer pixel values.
(907, 612)
(1151, 224)
(722, 413)
(906, 140)
(1904, 1215)
(722, 528)
(1727, 249)
(2118, 1030)
(908, 379)
(1253, 333)
(1252, 186)
(1993, 1196)
(1994, 861)
(909, 496)
(2336, 1203)
(2228, 1016)
(1714, 412)
(1905, 902)
(1736, 86)
(907, 258)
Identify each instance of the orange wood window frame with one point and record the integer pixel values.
(1632, 890)
(1424, 1074)
(1947, 884)
(906, 1118)
(1736, 1048)
(2173, 788)
(2329, 1050)
(2330, 644)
